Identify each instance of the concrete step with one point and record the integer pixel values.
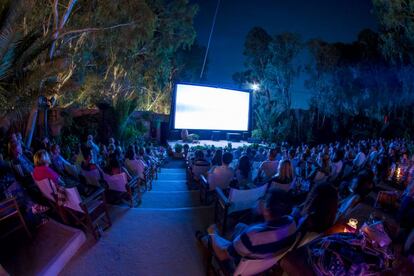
(172, 176)
(172, 170)
(146, 242)
(170, 199)
(47, 253)
(170, 185)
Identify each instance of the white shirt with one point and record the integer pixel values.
(359, 159)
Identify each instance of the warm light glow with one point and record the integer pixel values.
(353, 223)
(398, 174)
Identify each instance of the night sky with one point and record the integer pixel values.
(330, 20)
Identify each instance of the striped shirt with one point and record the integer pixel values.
(264, 240)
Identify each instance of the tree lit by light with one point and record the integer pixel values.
(255, 86)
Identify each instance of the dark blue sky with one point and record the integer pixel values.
(331, 20)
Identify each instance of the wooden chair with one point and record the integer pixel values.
(205, 192)
(195, 173)
(148, 178)
(92, 177)
(120, 183)
(87, 212)
(9, 209)
(236, 202)
(137, 168)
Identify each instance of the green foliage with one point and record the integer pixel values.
(396, 22)
(130, 134)
(270, 62)
(178, 148)
(144, 40)
(257, 133)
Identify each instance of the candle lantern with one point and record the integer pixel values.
(351, 226)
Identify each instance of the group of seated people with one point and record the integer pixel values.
(311, 190)
(20, 170)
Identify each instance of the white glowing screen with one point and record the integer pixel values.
(200, 107)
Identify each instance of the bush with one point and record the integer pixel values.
(178, 148)
(257, 133)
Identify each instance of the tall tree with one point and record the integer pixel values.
(270, 63)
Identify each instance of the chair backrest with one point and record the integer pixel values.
(199, 170)
(49, 190)
(245, 199)
(117, 182)
(135, 167)
(47, 187)
(92, 177)
(73, 199)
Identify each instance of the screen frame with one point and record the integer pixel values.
(173, 105)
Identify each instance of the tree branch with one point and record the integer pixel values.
(86, 30)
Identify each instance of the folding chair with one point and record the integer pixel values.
(87, 212)
(237, 201)
(10, 209)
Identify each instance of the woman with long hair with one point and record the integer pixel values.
(243, 172)
(284, 177)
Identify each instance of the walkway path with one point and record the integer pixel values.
(155, 239)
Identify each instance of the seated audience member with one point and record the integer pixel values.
(244, 172)
(258, 241)
(199, 159)
(217, 158)
(32, 212)
(88, 164)
(209, 155)
(21, 166)
(337, 164)
(199, 165)
(360, 158)
(59, 164)
(294, 160)
(260, 155)
(43, 171)
(135, 167)
(186, 149)
(360, 187)
(319, 210)
(95, 149)
(115, 165)
(269, 167)
(321, 170)
(45, 144)
(284, 177)
(406, 211)
(221, 176)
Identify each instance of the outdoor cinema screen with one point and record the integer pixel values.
(200, 107)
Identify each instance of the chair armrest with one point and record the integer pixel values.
(204, 182)
(99, 192)
(223, 200)
(133, 182)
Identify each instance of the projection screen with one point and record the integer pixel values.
(201, 107)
